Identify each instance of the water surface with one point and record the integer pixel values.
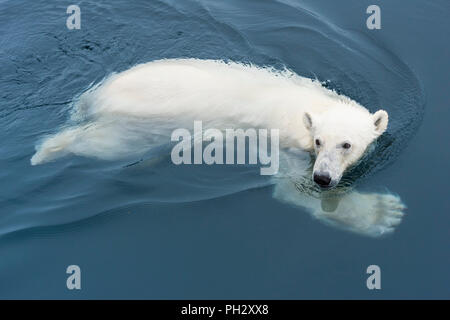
(143, 231)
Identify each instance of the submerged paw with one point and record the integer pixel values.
(389, 213)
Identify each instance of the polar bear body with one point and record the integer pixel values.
(133, 111)
(172, 93)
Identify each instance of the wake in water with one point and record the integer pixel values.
(133, 112)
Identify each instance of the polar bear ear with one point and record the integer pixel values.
(307, 120)
(380, 121)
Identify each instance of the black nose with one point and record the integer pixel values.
(322, 179)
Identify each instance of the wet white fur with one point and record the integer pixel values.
(130, 112)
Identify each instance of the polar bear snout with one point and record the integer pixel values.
(327, 170)
(323, 179)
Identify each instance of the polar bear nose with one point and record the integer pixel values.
(322, 179)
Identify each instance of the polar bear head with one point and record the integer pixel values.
(339, 138)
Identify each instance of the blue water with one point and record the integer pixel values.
(143, 231)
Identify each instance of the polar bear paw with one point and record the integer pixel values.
(371, 214)
(385, 212)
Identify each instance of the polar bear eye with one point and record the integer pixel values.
(317, 142)
(346, 145)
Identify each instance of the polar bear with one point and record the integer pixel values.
(136, 110)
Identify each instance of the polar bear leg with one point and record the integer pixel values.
(371, 214)
(54, 146)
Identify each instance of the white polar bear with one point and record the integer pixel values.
(133, 111)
